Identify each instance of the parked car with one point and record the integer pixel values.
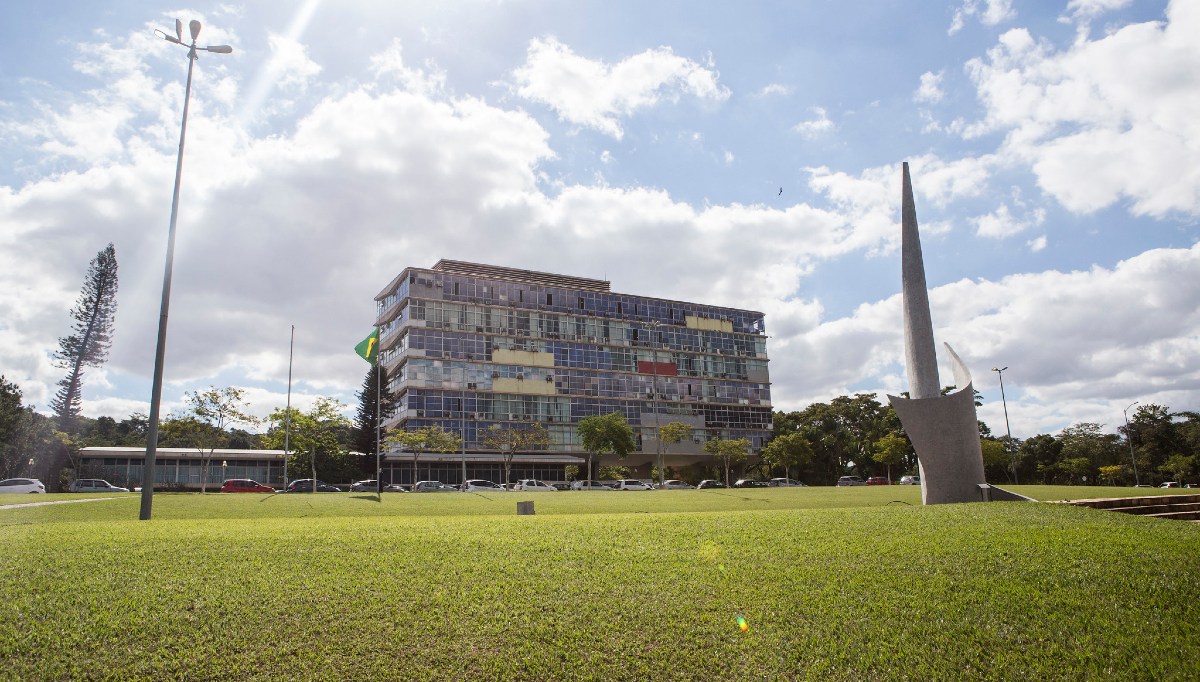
(478, 485)
(21, 485)
(849, 481)
(878, 480)
(709, 483)
(747, 483)
(561, 485)
(632, 484)
(1170, 484)
(589, 485)
(94, 485)
(785, 483)
(534, 485)
(394, 488)
(245, 485)
(910, 480)
(433, 487)
(305, 485)
(673, 484)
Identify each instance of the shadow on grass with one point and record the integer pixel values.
(369, 497)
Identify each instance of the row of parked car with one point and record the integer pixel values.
(306, 485)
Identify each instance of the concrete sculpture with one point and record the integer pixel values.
(943, 429)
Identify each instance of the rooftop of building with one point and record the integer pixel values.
(498, 272)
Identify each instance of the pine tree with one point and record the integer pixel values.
(88, 345)
(364, 422)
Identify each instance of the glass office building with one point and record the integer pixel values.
(467, 346)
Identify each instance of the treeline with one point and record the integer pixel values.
(859, 435)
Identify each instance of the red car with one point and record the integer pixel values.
(245, 485)
(878, 480)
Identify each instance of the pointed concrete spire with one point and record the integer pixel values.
(918, 327)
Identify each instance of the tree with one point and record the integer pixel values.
(671, 433)
(319, 439)
(1178, 467)
(787, 451)
(1111, 472)
(891, 449)
(374, 384)
(605, 434)
(88, 345)
(425, 439)
(1043, 451)
(729, 452)
(216, 409)
(30, 444)
(510, 440)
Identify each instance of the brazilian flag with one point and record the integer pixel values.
(368, 348)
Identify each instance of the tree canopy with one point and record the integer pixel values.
(88, 343)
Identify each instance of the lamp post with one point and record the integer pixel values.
(161, 349)
(654, 401)
(1008, 429)
(1129, 439)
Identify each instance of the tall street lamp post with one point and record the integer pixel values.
(1008, 429)
(1129, 439)
(161, 349)
(654, 402)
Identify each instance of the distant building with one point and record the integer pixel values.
(182, 468)
(467, 346)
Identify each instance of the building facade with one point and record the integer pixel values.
(182, 468)
(467, 346)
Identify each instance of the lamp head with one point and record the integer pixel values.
(178, 30)
(194, 27)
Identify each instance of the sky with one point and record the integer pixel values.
(740, 154)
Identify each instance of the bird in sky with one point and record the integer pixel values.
(780, 192)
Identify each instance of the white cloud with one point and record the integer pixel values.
(816, 126)
(774, 89)
(596, 95)
(390, 62)
(930, 90)
(991, 13)
(1001, 223)
(1103, 119)
(1067, 337)
(1037, 244)
(1088, 9)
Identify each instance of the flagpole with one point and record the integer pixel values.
(287, 419)
(378, 452)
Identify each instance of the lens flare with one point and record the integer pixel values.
(742, 624)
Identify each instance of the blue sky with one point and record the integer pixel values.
(1054, 149)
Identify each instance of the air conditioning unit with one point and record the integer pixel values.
(549, 378)
(495, 375)
(471, 387)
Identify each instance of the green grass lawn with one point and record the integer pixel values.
(830, 583)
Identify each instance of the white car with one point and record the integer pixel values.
(910, 480)
(673, 484)
(589, 485)
(431, 487)
(21, 485)
(477, 485)
(632, 484)
(534, 485)
(849, 481)
(364, 486)
(785, 483)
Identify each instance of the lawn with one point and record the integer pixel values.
(814, 583)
